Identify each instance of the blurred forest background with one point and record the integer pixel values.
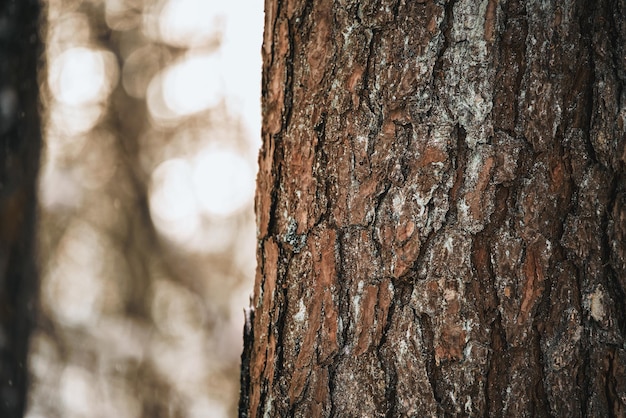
(151, 121)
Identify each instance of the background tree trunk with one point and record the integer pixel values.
(20, 142)
(441, 210)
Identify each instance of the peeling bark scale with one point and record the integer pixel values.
(441, 210)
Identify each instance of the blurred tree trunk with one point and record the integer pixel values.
(441, 210)
(20, 142)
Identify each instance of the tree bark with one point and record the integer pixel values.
(20, 143)
(441, 210)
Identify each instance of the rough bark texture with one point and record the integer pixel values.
(441, 210)
(20, 143)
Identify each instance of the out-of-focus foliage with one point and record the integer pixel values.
(147, 232)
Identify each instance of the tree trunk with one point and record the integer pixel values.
(20, 142)
(441, 210)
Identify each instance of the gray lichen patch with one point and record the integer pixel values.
(291, 237)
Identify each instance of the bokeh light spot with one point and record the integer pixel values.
(176, 311)
(74, 120)
(190, 22)
(173, 205)
(77, 390)
(58, 188)
(82, 75)
(75, 287)
(139, 69)
(192, 85)
(172, 197)
(223, 181)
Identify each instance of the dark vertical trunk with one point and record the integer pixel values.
(20, 142)
(441, 210)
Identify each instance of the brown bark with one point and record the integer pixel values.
(441, 210)
(20, 143)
